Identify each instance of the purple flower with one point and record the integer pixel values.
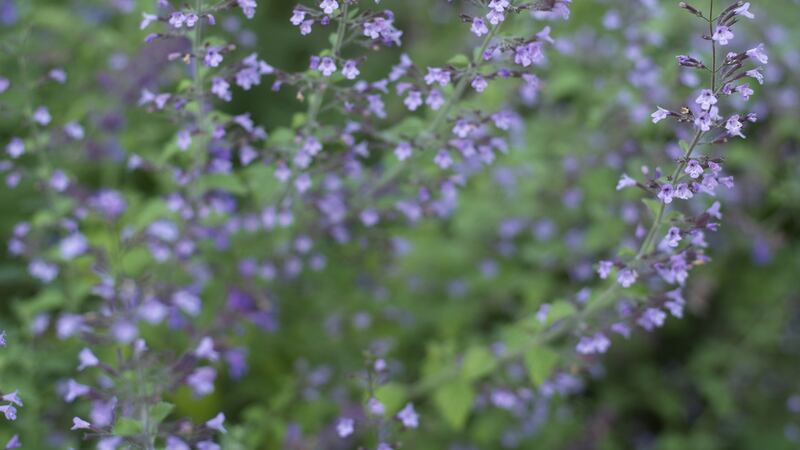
(184, 139)
(80, 424)
(298, 17)
(43, 271)
(14, 442)
(328, 6)
(403, 151)
(221, 89)
(187, 302)
(15, 148)
(673, 237)
(13, 397)
(756, 73)
(147, 19)
(625, 181)
(9, 411)
(479, 83)
(3, 338)
(42, 116)
(588, 345)
(345, 427)
(177, 19)
(74, 130)
(202, 381)
(734, 126)
(693, 168)
(479, 27)
(527, 54)
(75, 390)
(706, 99)
(675, 303)
(604, 269)
(350, 70)
(217, 423)
(408, 416)
(213, 57)
(758, 54)
(660, 114)
(375, 407)
(205, 349)
(87, 359)
(435, 99)
(683, 192)
(722, 35)
(666, 193)
(248, 7)
(413, 100)
(73, 246)
(626, 277)
(744, 10)
(744, 90)
(652, 318)
(437, 75)
(443, 159)
(327, 66)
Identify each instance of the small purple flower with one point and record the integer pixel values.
(675, 303)
(744, 10)
(527, 54)
(213, 57)
(9, 411)
(298, 17)
(327, 66)
(408, 416)
(626, 277)
(184, 139)
(202, 381)
(673, 237)
(734, 126)
(652, 318)
(80, 424)
(15, 148)
(479, 83)
(205, 349)
(74, 130)
(75, 390)
(413, 100)
(345, 427)
(375, 407)
(443, 159)
(248, 7)
(588, 345)
(660, 114)
(329, 6)
(4, 84)
(693, 168)
(42, 116)
(403, 151)
(3, 338)
(479, 27)
(683, 192)
(350, 70)
(756, 73)
(217, 423)
(437, 75)
(221, 89)
(147, 19)
(177, 19)
(604, 269)
(722, 35)
(758, 54)
(87, 359)
(13, 443)
(744, 90)
(435, 99)
(13, 397)
(706, 99)
(666, 193)
(625, 181)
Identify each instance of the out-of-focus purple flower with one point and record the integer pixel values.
(217, 423)
(80, 424)
(588, 345)
(345, 427)
(408, 417)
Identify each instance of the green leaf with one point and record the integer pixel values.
(126, 426)
(459, 60)
(653, 205)
(478, 362)
(540, 362)
(160, 411)
(454, 401)
(392, 395)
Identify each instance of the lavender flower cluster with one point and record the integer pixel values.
(328, 183)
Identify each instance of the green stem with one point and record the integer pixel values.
(316, 98)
